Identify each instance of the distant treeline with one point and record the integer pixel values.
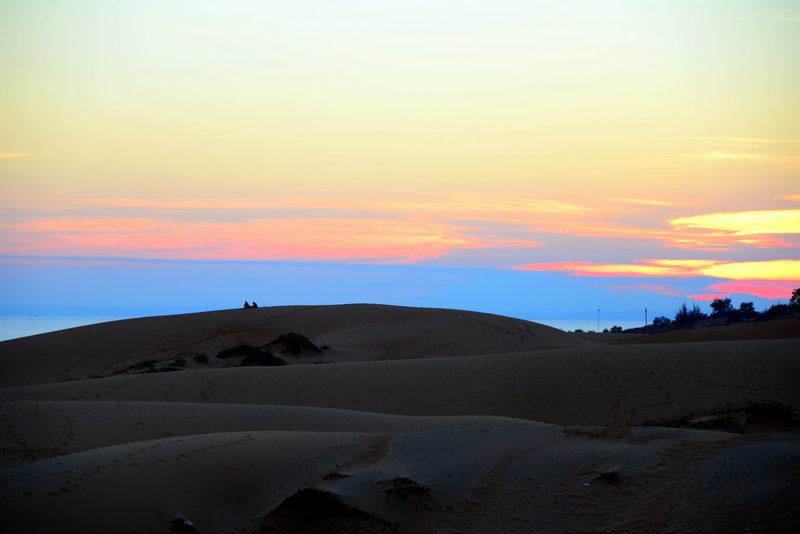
(722, 312)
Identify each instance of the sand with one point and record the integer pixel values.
(391, 419)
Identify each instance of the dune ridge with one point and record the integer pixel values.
(403, 420)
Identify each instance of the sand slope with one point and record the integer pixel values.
(518, 480)
(590, 386)
(353, 333)
(417, 421)
(55, 428)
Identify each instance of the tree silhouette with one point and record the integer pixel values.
(662, 321)
(721, 306)
(685, 316)
(794, 301)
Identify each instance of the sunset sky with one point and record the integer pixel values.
(535, 158)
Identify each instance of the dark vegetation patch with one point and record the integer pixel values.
(238, 351)
(261, 359)
(738, 419)
(200, 358)
(765, 412)
(176, 362)
(263, 356)
(145, 366)
(609, 477)
(294, 344)
(138, 366)
(315, 511)
(584, 432)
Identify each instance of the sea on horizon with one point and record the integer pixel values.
(12, 327)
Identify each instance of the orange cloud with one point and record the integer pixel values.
(643, 268)
(446, 206)
(458, 220)
(10, 155)
(499, 207)
(729, 230)
(783, 270)
(260, 239)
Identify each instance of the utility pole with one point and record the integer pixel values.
(645, 317)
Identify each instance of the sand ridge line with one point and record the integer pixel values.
(373, 451)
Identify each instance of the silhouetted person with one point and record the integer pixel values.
(246, 304)
(255, 305)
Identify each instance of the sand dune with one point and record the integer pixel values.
(57, 428)
(591, 386)
(404, 420)
(518, 480)
(353, 333)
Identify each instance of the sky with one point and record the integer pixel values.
(539, 158)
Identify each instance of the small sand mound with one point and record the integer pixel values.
(294, 344)
(316, 511)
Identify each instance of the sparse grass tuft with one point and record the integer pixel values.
(734, 418)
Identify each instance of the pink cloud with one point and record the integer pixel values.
(298, 239)
(403, 229)
(771, 270)
(767, 290)
(708, 297)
